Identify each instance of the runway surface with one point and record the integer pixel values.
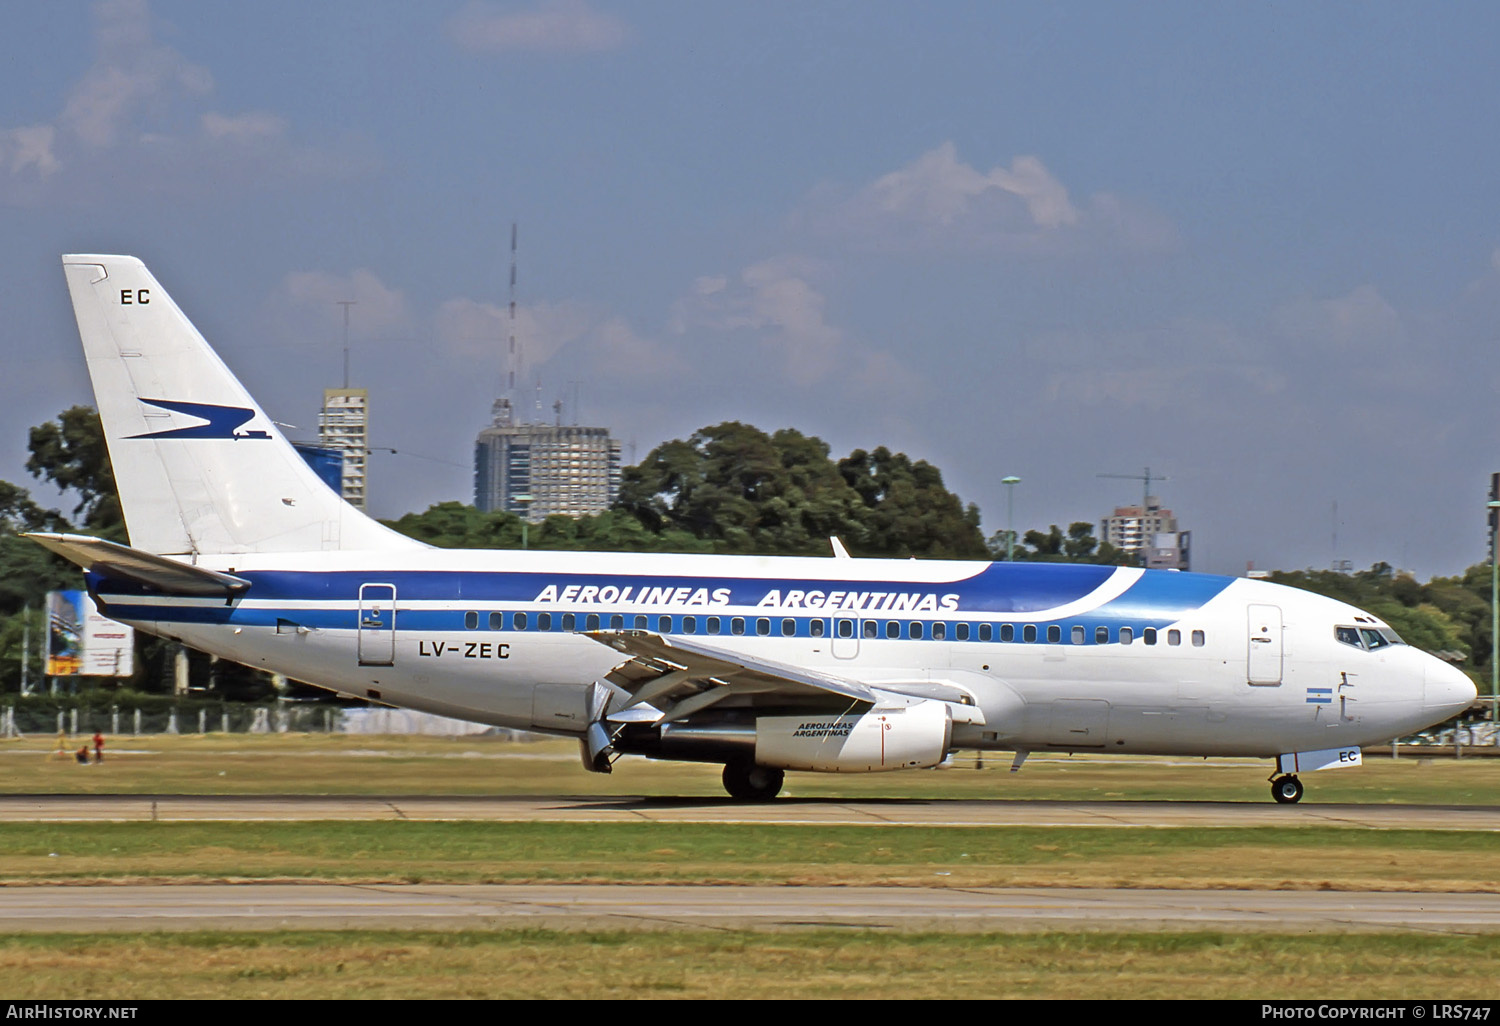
(331, 906)
(593, 809)
(327, 906)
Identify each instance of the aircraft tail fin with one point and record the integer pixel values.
(199, 466)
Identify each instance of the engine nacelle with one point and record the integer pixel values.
(901, 737)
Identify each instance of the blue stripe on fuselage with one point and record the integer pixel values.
(1156, 598)
(1000, 587)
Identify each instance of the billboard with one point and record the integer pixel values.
(83, 642)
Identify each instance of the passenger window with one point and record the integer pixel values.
(617, 622)
(762, 626)
(471, 621)
(664, 625)
(640, 623)
(916, 629)
(568, 621)
(1054, 634)
(1007, 632)
(713, 625)
(544, 621)
(690, 625)
(892, 629)
(846, 628)
(1028, 633)
(939, 631)
(1174, 636)
(1078, 634)
(737, 625)
(1101, 635)
(497, 621)
(815, 628)
(518, 621)
(592, 623)
(1127, 635)
(1150, 635)
(788, 628)
(1198, 639)
(872, 629)
(961, 632)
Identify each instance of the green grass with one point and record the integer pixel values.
(484, 852)
(737, 964)
(340, 764)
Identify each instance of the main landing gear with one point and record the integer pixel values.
(1287, 790)
(748, 782)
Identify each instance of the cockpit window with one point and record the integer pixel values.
(1368, 637)
(1380, 638)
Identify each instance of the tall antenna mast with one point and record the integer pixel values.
(346, 304)
(511, 385)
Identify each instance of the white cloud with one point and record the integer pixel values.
(937, 186)
(30, 148)
(483, 331)
(132, 74)
(138, 113)
(775, 303)
(1362, 318)
(554, 26)
(378, 308)
(940, 202)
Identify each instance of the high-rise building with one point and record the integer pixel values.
(536, 470)
(344, 424)
(1150, 534)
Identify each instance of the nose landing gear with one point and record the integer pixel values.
(1287, 790)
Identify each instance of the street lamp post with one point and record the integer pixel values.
(1010, 516)
(1494, 507)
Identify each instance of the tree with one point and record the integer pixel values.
(908, 511)
(746, 491)
(71, 453)
(1078, 545)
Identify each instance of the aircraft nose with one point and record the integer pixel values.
(1447, 691)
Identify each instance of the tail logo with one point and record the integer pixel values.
(221, 421)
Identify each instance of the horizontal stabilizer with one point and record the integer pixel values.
(166, 575)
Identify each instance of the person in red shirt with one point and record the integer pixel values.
(98, 747)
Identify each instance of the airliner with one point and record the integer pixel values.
(762, 664)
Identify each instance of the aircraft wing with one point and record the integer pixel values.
(153, 571)
(668, 678)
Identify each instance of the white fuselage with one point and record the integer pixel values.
(1053, 657)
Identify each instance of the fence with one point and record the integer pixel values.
(21, 720)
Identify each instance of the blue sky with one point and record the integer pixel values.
(1255, 247)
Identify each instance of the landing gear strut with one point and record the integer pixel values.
(748, 782)
(1287, 790)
